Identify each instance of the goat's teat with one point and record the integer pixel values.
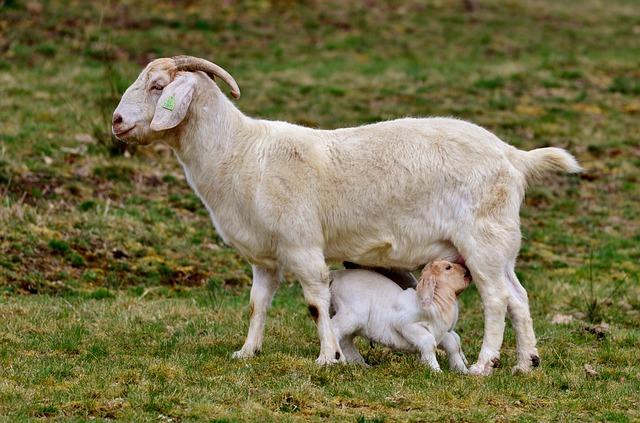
(467, 275)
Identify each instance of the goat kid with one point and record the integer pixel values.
(370, 305)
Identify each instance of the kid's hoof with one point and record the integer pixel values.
(479, 369)
(327, 361)
(460, 369)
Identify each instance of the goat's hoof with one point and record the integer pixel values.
(243, 354)
(527, 361)
(535, 360)
(479, 369)
(526, 365)
(520, 369)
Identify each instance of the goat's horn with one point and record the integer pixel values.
(189, 63)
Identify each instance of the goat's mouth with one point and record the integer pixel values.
(121, 134)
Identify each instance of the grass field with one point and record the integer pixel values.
(119, 301)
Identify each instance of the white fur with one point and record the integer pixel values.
(396, 194)
(368, 304)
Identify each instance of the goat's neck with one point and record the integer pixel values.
(210, 133)
(213, 147)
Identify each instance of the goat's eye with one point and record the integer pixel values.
(448, 267)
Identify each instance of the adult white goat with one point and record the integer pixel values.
(394, 194)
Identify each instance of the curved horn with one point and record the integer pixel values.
(189, 63)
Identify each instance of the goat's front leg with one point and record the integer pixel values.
(313, 273)
(423, 341)
(265, 283)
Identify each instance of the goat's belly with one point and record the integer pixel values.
(263, 259)
(400, 253)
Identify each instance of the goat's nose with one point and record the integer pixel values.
(117, 119)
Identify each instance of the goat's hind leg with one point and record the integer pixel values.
(264, 285)
(492, 285)
(520, 315)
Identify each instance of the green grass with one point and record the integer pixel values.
(120, 301)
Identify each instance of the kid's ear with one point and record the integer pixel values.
(174, 102)
(426, 288)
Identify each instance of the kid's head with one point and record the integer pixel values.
(442, 275)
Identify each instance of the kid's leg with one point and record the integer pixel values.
(424, 342)
(451, 345)
(351, 353)
(344, 326)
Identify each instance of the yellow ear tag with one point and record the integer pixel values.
(170, 103)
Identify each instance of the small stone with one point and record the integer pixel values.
(624, 304)
(85, 138)
(119, 254)
(75, 151)
(561, 319)
(34, 7)
(82, 171)
(590, 371)
(601, 330)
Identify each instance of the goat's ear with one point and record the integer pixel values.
(426, 288)
(174, 102)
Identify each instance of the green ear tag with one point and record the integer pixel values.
(170, 103)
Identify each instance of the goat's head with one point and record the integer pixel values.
(159, 99)
(441, 275)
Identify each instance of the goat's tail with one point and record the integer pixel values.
(535, 163)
